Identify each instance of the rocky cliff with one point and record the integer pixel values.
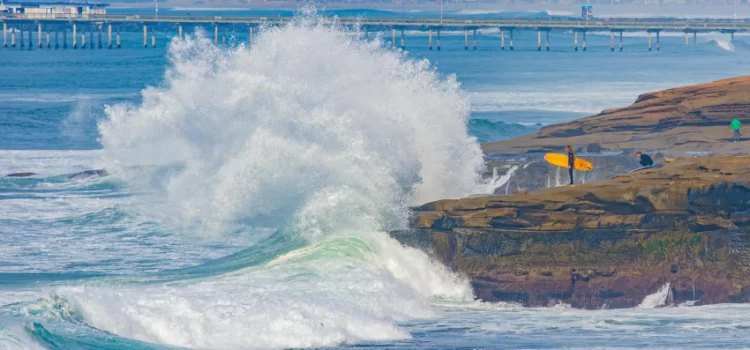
(693, 118)
(603, 244)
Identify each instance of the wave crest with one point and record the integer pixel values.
(307, 118)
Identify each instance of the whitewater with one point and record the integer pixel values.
(282, 138)
(248, 198)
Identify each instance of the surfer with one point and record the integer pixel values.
(571, 162)
(735, 125)
(645, 160)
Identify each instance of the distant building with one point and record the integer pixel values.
(48, 10)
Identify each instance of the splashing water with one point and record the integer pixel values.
(308, 120)
(725, 45)
(722, 41)
(499, 181)
(657, 299)
(311, 131)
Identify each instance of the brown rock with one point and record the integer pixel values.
(608, 243)
(692, 118)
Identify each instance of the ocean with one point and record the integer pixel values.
(250, 190)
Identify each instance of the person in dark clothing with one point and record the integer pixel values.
(645, 160)
(571, 162)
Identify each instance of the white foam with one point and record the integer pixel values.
(13, 336)
(48, 163)
(500, 181)
(47, 97)
(304, 302)
(307, 99)
(326, 135)
(656, 299)
(722, 41)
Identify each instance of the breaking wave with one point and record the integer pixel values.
(325, 139)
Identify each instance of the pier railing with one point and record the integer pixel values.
(604, 24)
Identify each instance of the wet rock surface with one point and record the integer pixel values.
(608, 243)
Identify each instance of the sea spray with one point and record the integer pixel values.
(658, 299)
(306, 114)
(323, 136)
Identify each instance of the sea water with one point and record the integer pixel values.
(250, 189)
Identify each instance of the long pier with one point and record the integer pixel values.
(44, 25)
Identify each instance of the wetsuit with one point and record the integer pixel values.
(571, 165)
(646, 160)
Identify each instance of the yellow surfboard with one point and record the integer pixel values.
(561, 160)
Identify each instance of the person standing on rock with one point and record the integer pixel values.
(571, 162)
(735, 125)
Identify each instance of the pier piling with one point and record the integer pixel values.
(57, 38)
(83, 40)
(466, 39)
(475, 39)
(153, 38)
(91, 36)
(99, 37)
(539, 40)
(502, 39)
(429, 38)
(547, 40)
(575, 41)
(65, 38)
(731, 36)
(22, 44)
(224, 37)
(5, 34)
(695, 38)
(31, 43)
(403, 43)
(658, 44)
(584, 41)
(109, 36)
(649, 41)
(145, 36)
(438, 39)
(511, 40)
(13, 38)
(216, 34)
(393, 37)
(687, 39)
(250, 36)
(75, 37)
(39, 35)
(118, 37)
(179, 31)
(612, 41)
(48, 42)
(621, 46)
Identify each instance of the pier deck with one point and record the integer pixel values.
(417, 23)
(58, 23)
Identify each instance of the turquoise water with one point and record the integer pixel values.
(249, 189)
